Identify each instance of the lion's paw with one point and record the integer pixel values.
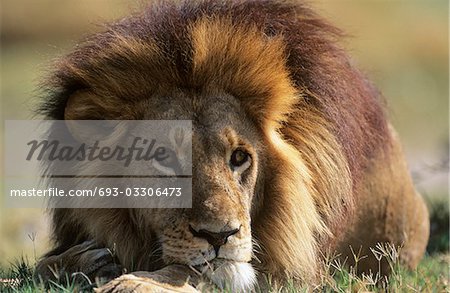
(142, 283)
(83, 262)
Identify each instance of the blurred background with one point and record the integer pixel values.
(401, 45)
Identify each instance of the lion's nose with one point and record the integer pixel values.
(216, 239)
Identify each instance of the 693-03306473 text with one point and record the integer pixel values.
(100, 191)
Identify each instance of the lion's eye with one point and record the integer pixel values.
(171, 160)
(170, 165)
(239, 158)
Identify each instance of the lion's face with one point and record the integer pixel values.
(226, 148)
(214, 236)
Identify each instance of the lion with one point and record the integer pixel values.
(293, 153)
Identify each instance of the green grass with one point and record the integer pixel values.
(432, 275)
(19, 278)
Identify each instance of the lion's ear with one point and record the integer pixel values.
(82, 105)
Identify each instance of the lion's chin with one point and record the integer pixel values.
(230, 275)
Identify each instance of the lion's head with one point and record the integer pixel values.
(282, 126)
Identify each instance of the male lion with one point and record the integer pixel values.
(293, 155)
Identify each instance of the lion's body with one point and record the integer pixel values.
(390, 211)
(328, 170)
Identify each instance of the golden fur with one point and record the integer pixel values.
(267, 75)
